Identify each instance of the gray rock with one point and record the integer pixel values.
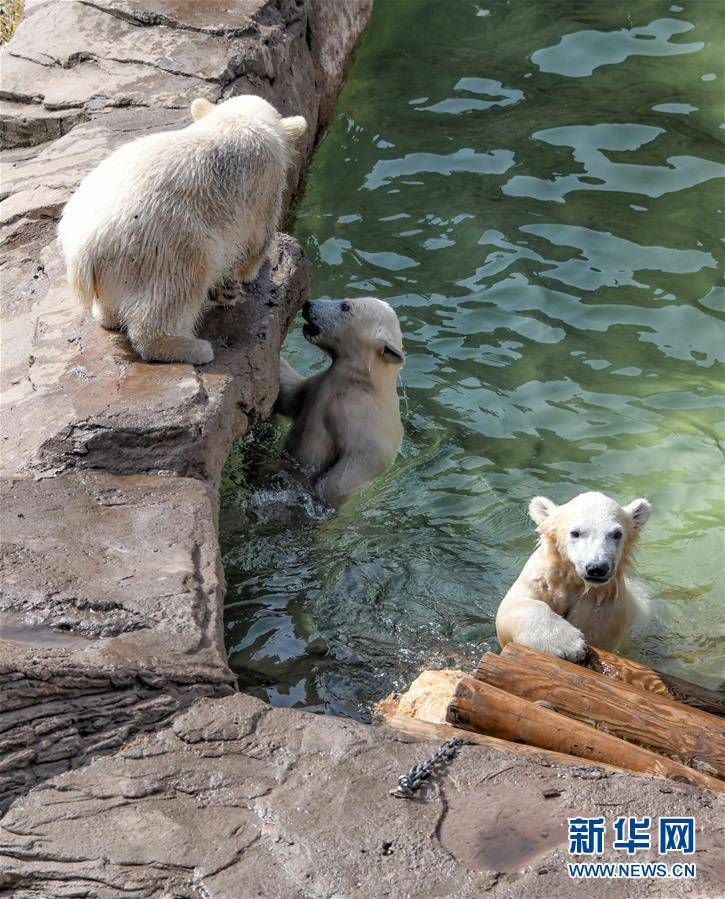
(26, 124)
(110, 624)
(237, 800)
(112, 588)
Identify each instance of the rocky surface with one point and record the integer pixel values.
(237, 800)
(111, 614)
(77, 397)
(112, 588)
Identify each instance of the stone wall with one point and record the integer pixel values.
(112, 587)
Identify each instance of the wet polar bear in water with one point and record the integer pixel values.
(347, 427)
(169, 216)
(573, 589)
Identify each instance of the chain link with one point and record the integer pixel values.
(412, 781)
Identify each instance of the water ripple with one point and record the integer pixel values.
(464, 160)
(536, 190)
(588, 143)
(579, 54)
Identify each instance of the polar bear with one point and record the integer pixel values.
(573, 589)
(347, 427)
(167, 217)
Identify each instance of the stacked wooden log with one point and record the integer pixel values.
(613, 713)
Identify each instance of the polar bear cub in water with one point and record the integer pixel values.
(169, 216)
(573, 589)
(347, 427)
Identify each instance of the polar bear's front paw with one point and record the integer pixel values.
(166, 348)
(248, 272)
(562, 640)
(570, 645)
(223, 294)
(197, 352)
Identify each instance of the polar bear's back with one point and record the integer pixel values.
(167, 196)
(166, 175)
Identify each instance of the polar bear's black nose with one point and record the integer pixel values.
(306, 309)
(598, 571)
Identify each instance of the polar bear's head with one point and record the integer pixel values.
(592, 532)
(364, 329)
(252, 109)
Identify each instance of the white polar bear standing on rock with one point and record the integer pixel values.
(573, 589)
(167, 217)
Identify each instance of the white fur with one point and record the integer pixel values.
(347, 426)
(169, 216)
(573, 589)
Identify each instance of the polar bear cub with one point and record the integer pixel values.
(169, 216)
(573, 589)
(347, 427)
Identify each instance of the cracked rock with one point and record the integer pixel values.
(236, 799)
(112, 587)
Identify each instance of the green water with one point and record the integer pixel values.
(536, 188)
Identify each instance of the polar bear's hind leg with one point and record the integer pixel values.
(174, 341)
(249, 271)
(105, 316)
(172, 348)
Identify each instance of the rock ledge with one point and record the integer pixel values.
(112, 596)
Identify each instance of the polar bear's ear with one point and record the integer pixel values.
(200, 107)
(540, 508)
(295, 126)
(638, 510)
(392, 354)
(389, 345)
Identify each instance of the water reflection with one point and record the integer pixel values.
(579, 54)
(500, 96)
(588, 143)
(463, 160)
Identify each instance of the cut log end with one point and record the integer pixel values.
(427, 698)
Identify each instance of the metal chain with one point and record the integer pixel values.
(412, 781)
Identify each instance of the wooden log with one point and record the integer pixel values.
(687, 735)
(480, 707)
(427, 730)
(639, 675)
